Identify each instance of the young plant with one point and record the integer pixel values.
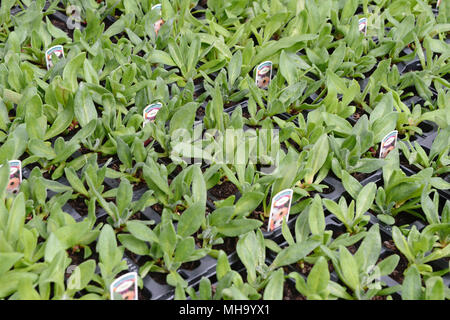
(169, 249)
(229, 81)
(186, 55)
(399, 193)
(439, 220)
(316, 286)
(353, 216)
(349, 154)
(438, 157)
(229, 219)
(310, 226)
(361, 273)
(252, 253)
(123, 208)
(186, 189)
(111, 262)
(419, 248)
(409, 120)
(36, 190)
(305, 132)
(314, 161)
(90, 171)
(229, 286)
(412, 289)
(19, 259)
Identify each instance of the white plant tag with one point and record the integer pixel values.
(388, 143)
(150, 112)
(57, 50)
(281, 205)
(125, 287)
(263, 74)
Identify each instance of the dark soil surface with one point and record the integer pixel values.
(358, 114)
(361, 176)
(404, 218)
(158, 208)
(223, 190)
(200, 112)
(228, 245)
(133, 257)
(305, 267)
(397, 274)
(258, 214)
(61, 25)
(79, 205)
(159, 277)
(290, 292)
(404, 162)
(190, 265)
(77, 256)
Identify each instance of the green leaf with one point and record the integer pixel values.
(184, 250)
(124, 195)
(316, 218)
(388, 265)
(317, 157)
(167, 237)
(16, 219)
(158, 56)
(191, 219)
(9, 282)
(401, 243)
(435, 289)
(53, 247)
(238, 226)
(8, 259)
(247, 249)
(294, 253)
(274, 288)
(75, 182)
(41, 149)
(223, 266)
(61, 123)
(365, 198)
(234, 68)
(319, 277)
(134, 245)
(335, 209)
(351, 185)
(183, 119)
(288, 68)
(141, 231)
(107, 245)
(247, 203)
(412, 287)
(84, 108)
(82, 275)
(71, 71)
(349, 268)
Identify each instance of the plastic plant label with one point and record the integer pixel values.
(362, 25)
(150, 112)
(125, 287)
(57, 50)
(157, 25)
(388, 143)
(281, 205)
(263, 74)
(15, 176)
